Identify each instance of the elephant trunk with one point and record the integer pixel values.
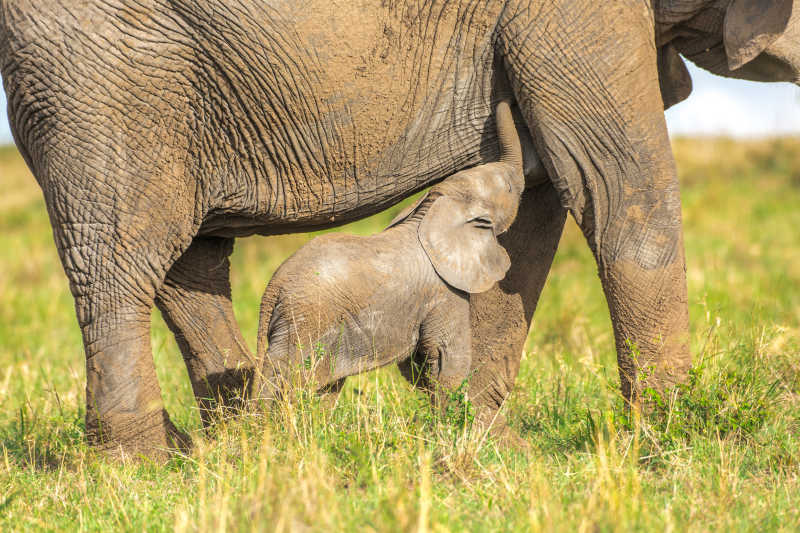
(510, 146)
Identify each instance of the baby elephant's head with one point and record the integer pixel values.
(460, 218)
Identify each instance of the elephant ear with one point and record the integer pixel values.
(405, 213)
(751, 26)
(673, 76)
(459, 237)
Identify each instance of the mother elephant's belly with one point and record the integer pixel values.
(360, 176)
(348, 119)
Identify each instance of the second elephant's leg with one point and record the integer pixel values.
(195, 301)
(500, 318)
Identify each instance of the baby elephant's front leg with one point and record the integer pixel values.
(445, 351)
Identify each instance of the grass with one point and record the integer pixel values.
(723, 455)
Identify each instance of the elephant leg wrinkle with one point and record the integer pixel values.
(651, 335)
(195, 301)
(125, 413)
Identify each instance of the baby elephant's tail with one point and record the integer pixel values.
(268, 301)
(264, 388)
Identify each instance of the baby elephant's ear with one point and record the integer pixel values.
(459, 239)
(405, 213)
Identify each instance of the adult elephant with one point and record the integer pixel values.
(160, 130)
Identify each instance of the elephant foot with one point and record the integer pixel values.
(125, 437)
(507, 438)
(496, 424)
(651, 327)
(224, 393)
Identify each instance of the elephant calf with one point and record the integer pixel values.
(346, 304)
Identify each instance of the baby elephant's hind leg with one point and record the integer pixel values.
(329, 394)
(285, 367)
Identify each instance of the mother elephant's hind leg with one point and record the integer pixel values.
(195, 301)
(114, 268)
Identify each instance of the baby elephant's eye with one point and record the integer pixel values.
(482, 222)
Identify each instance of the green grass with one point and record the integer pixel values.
(723, 455)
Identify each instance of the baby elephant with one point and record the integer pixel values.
(345, 304)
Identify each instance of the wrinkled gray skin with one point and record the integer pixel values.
(345, 304)
(160, 130)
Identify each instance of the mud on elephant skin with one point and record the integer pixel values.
(345, 304)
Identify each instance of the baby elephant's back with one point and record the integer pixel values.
(324, 264)
(344, 296)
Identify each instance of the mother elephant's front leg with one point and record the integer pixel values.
(501, 317)
(585, 77)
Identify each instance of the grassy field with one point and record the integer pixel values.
(723, 456)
